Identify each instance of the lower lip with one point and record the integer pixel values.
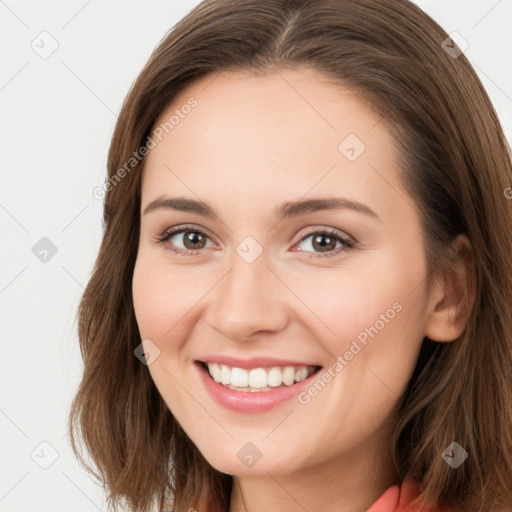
(246, 401)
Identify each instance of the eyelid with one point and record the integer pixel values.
(311, 230)
(347, 241)
(170, 232)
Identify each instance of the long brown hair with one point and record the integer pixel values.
(455, 163)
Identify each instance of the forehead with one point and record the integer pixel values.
(263, 135)
(297, 104)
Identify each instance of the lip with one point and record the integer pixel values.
(246, 401)
(253, 362)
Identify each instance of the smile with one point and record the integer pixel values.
(258, 379)
(253, 386)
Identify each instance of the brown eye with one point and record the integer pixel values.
(185, 240)
(325, 243)
(193, 240)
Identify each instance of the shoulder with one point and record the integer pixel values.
(398, 498)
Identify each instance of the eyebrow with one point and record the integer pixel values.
(286, 210)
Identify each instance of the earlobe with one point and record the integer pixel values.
(453, 296)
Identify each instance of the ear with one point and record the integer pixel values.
(453, 295)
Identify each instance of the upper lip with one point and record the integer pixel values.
(253, 362)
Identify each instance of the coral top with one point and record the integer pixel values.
(398, 497)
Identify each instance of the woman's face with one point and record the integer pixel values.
(305, 255)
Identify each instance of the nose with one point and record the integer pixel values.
(250, 299)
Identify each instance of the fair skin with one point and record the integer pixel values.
(251, 144)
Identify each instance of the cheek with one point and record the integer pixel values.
(345, 303)
(163, 298)
(374, 319)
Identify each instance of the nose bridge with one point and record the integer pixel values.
(247, 299)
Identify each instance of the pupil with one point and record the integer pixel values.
(323, 245)
(192, 238)
(321, 242)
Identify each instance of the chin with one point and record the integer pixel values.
(252, 459)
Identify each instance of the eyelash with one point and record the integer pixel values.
(347, 242)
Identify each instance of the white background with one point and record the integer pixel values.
(57, 118)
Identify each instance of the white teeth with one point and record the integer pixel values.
(301, 374)
(289, 375)
(225, 374)
(274, 377)
(215, 372)
(258, 379)
(239, 377)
